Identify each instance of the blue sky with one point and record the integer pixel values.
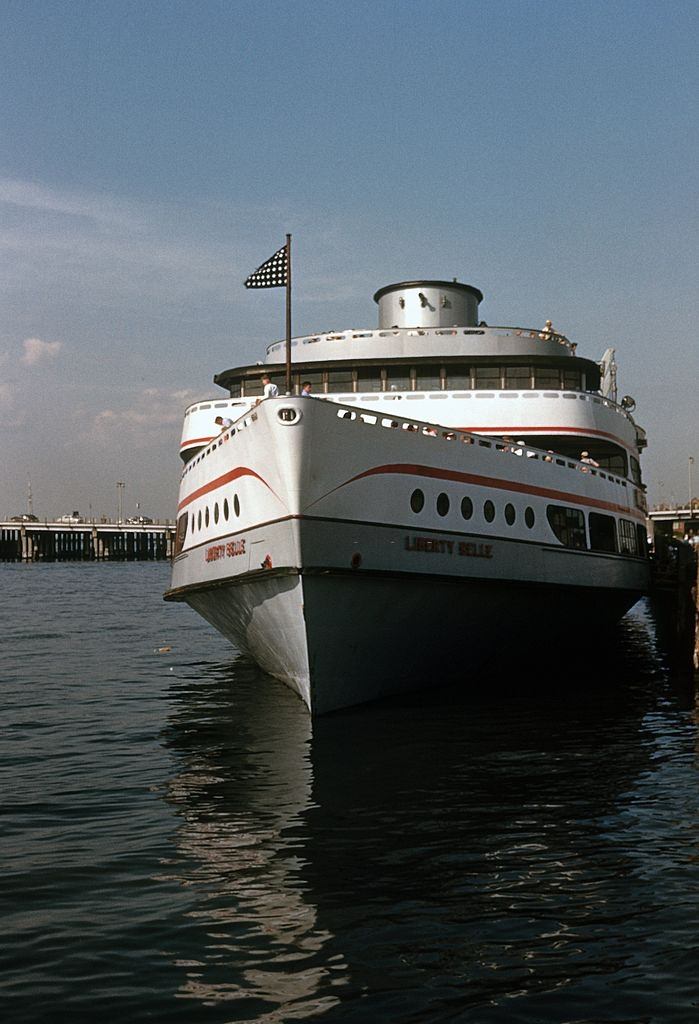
(153, 154)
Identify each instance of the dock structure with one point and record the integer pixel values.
(675, 583)
(85, 542)
(681, 521)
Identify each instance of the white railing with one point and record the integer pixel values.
(421, 332)
(465, 437)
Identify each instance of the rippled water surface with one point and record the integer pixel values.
(179, 843)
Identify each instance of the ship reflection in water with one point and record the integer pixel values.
(520, 855)
(244, 787)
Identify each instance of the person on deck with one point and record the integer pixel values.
(270, 390)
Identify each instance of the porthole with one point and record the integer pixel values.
(417, 500)
(442, 504)
(193, 522)
(199, 520)
(236, 505)
(206, 515)
(529, 516)
(466, 508)
(225, 509)
(510, 514)
(216, 512)
(288, 414)
(489, 511)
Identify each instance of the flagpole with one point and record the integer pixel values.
(288, 314)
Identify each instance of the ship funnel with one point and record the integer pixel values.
(428, 304)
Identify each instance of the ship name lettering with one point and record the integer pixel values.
(440, 546)
(433, 544)
(469, 550)
(229, 550)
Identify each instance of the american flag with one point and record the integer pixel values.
(274, 273)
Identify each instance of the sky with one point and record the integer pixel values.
(152, 154)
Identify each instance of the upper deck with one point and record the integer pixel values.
(426, 342)
(431, 345)
(462, 352)
(423, 321)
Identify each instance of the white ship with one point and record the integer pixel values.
(452, 489)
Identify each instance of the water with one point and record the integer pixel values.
(180, 844)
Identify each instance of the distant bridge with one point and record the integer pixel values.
(85, 542)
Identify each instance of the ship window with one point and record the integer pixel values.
(369, 378)
(571, 379)
(614, 463)
(547, 377)
(216, 512)
(487, 377)
(398, 378)
(458, 377)
(442, 504)
(193, 523)
(340, 380)
(602, 532)
(529, 516)
(518, 378)
(236, 505)
(510, 514)
(206, 515)
(225, 509)
(568, 524)
(182, 524)
(489, 511)
(628, 541)
(466, 507)
(642, 539)
(199, 520)
(429, 378)
(417, 500)
(234, 390)
(635, 471)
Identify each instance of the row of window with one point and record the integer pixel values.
(455, 377)
(203, 517)
(443, 505)
(568, 524)
(603, 533)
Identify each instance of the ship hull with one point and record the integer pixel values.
(333, 580)
(340, 639)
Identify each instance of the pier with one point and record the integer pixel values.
(85, 542)
(675, 583)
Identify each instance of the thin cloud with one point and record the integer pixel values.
(154, 416)
(38, 351)
(32, 196)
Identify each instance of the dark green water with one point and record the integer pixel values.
(180, 844)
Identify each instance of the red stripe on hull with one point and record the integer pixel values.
(219, 481)
(196, 440)
(486, 481)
